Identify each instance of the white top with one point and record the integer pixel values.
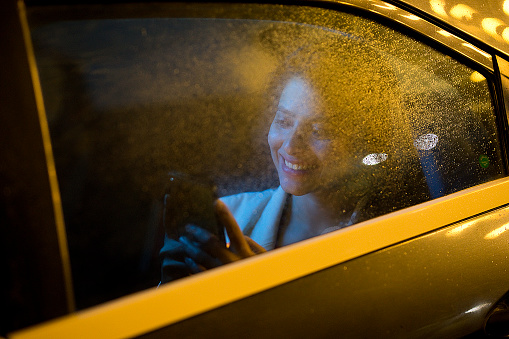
(259, 214)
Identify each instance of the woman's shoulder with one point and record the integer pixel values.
(248, 207)
(258, 208)
(251, 198)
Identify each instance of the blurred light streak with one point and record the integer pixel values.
(459, 229)
(411, 17)
(444, 33)
(478, 308)
(484, 54)
(497, 232)
(387, 6)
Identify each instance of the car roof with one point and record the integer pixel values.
(487, 21)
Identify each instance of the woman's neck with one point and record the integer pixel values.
(309, 215)
(320, 211)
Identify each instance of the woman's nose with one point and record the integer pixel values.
(296, 141)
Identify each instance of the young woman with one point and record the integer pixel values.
(334, 142)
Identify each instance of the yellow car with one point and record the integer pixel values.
(358, 149)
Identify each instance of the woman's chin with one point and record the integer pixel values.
(295, 189)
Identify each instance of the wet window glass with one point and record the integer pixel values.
(302, 121)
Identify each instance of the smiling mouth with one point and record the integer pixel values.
(300, 167)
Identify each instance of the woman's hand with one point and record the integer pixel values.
(172, 256)
(205, 251)
(199, 250)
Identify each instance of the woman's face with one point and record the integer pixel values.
(308, 145)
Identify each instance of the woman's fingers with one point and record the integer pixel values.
(238, 243)
(173, 270)
(198, 255)
(193, 267)
(255, 247)
(172, 248)
(211, 244)
(172, 261)
(201, 236)
(204, 250)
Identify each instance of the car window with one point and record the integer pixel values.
(265, 103)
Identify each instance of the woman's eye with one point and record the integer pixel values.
(283, 121)
(321, 133)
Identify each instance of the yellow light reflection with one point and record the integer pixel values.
(438, 6)
(459, 229)
(484, 54)
(445, 33)
(490, 25)
(411, 17)
(477, 77)
(497, 232)
(387, 6)
(505, 7)
(505, 34)
(461, 11)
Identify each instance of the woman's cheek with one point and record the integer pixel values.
(335, 158)
(271, 137)
(275, 138)
(324, 149)
(274, 145)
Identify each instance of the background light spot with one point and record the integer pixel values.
(426, 142)
(374, 158)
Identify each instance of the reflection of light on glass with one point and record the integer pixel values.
(374, 158)
(438, 6)
(505, 7)
(477, 77)
(490, 25)
(484, 54)
(445, 33)
(459, 229)
(461, 11)
(497, 232)
(387, 6)
(426, 142)
(411, 17)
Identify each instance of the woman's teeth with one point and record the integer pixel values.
(299, 167)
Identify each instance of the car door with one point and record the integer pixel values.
(132, 91)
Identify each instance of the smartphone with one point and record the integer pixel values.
(190, 200)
